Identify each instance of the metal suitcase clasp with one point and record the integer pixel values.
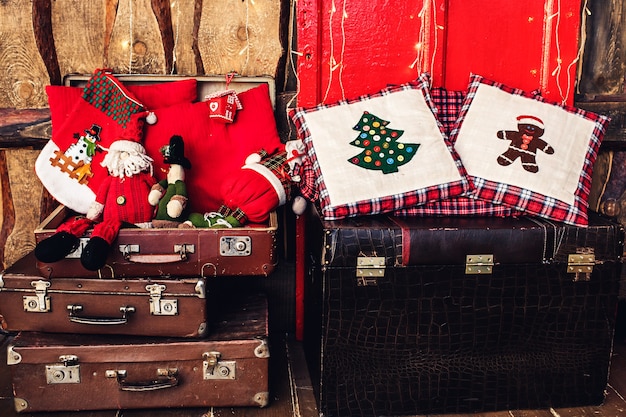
(68, 372)
(581, 264)
(40, 302)
(369, 269)
(214, 368)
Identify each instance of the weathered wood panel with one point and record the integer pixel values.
(23, 74)
(43, 40)
(604, 60)
(186, 17)
(603, 67)
(21, 192)
(79, 35)
(240, 36)
(136, 45)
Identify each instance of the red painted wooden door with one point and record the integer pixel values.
(352, 47)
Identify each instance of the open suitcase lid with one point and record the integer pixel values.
(206, 84)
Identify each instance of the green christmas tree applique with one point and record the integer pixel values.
(382, 151)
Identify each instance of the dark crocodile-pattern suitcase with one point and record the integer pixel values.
(456, 315)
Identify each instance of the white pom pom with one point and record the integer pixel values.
(151, 119)
(254, 158)
(299, 205)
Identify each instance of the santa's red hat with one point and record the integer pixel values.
(530, 120)
(277, 168)
(273, 170)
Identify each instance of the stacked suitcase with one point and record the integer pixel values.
(142, 332)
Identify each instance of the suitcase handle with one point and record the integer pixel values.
(181, 253)
(74, 308)
(156, 259)
(167, 378)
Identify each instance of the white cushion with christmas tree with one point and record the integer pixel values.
(379, 153)
(525, 152)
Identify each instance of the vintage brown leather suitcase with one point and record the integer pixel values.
(459, 315)
(134, 306)
(248, 250)
(171, 252)
(63, 372)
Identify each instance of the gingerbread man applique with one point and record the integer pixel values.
(525, 142)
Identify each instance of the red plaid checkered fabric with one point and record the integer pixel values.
(527, 199)
(316, 191)
(448, 104)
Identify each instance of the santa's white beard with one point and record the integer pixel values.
(126, 167)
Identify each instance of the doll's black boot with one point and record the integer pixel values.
(56, 247)
(95, 253)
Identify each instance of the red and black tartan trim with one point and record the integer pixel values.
(448, 104)
(108, 95)
(384, 204)
(276, 163)
(239, 215)
(459, 206)
(526, 200)
(307, 184)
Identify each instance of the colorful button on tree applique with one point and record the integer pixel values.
(381, 149)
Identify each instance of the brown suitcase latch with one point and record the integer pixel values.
(581, 264)
(66, 372)
(161, 306)
(369, 269)
(40, 302)
(235, 246)
(214, 368)
(479, 264)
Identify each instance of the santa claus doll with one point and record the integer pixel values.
(121, 201)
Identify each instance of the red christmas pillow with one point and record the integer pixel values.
(215, 149)
(69, 165)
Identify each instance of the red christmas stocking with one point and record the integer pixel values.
(69, 165)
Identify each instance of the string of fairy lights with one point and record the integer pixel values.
(581, 46)
(428, 26)
(553, 70)
(552, 24)
(426, 46)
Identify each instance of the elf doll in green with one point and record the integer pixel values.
(170, 194)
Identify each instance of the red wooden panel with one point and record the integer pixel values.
(527, 44)
(349, 47)
(354, 47)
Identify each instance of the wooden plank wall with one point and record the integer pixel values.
(41, 41)
(603, 67)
